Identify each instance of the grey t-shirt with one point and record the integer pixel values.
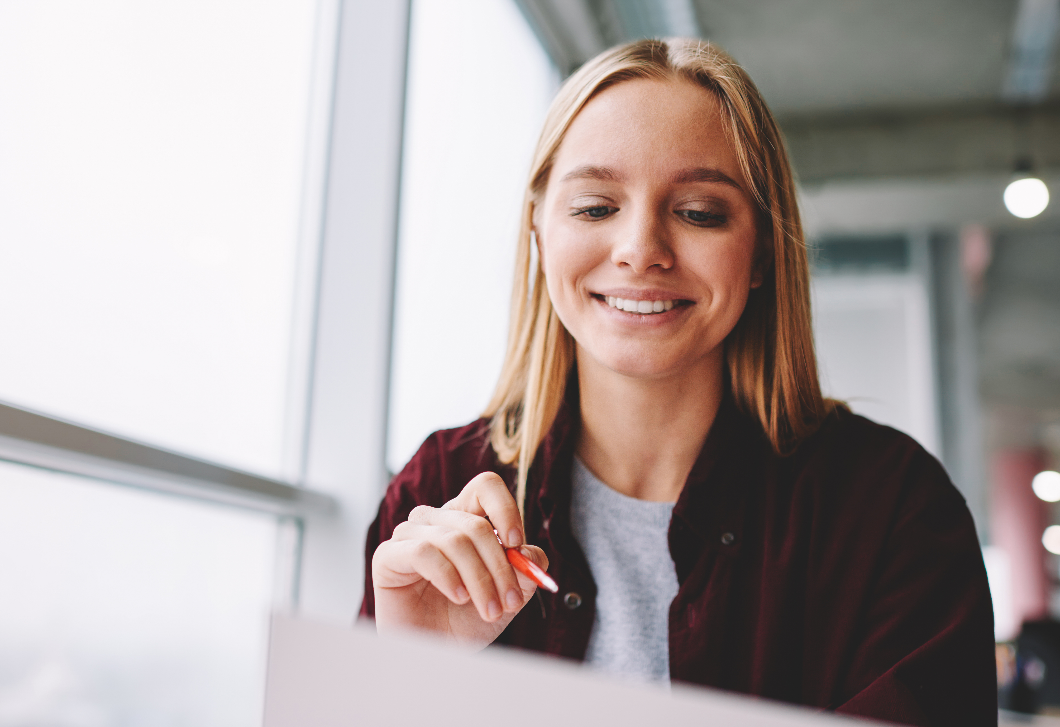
(625, 542)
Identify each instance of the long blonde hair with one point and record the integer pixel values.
(769, 354)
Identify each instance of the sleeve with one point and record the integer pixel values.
(926, 652)
(419, 483)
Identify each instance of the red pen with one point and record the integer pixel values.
(527, 567)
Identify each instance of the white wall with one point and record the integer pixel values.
(874, 348)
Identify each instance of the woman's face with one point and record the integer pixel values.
(647, 210)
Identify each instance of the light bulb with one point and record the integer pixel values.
(1046, 485)
(1026, 197)
(1051, 539)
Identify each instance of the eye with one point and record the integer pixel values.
(702, 218)
(595, 213)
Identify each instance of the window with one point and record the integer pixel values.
(152, 183)
(198, 219)
(162, 172)
(123, 606)
(470, 129)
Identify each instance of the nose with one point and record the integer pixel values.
(642, 243)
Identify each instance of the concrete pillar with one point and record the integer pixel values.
(1017, 520)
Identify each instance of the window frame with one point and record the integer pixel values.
(339, 373)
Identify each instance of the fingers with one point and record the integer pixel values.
(422, 561)
(486, 495)
(469, 547)
(455, 549)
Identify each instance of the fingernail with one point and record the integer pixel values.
(514, 599)
(515, 538)
(493, 610)
(461, 593)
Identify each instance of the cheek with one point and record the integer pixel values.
(744, 258)
(566, 259)
(729, 267)
(742, 278)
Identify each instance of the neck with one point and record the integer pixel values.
(642, 436)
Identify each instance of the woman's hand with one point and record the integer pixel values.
(444, 571)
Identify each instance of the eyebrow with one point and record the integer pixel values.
(588, 171)
(704, 174)
(685, 176)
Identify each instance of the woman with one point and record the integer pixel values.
(659, 441)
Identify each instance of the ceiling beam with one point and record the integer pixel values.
(634, 19)
(573, 31)
(568, 30)
(928, 143)
(1031, 52)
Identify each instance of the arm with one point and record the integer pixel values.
(925, 655)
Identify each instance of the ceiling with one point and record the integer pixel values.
(814, 56)
(864, 89)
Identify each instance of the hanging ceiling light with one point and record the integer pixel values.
(1051, 539)
(1046, 485)
(1026, 196)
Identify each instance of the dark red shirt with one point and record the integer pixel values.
(846, 576)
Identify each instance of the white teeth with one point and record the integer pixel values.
(640, 306)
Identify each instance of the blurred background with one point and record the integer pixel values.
(251, 254)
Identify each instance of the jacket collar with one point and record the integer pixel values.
(555, 457)
(713, 499)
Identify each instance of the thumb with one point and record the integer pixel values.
(536, 556)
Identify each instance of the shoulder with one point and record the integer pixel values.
(850, 444)
(444, 463)
(857, 464)
(914, 607)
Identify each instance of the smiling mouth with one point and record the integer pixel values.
(641, 307)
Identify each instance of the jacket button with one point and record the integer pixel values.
(728, 538)
(572, 600)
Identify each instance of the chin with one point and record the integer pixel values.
(643, 365)
(648, 361)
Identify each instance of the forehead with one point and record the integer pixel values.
(647, 127)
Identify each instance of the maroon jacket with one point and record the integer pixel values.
(846, 576)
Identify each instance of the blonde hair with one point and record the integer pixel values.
(769, 354)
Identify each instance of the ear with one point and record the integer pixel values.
(756, 275)
(535, 214)
(763, 260)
